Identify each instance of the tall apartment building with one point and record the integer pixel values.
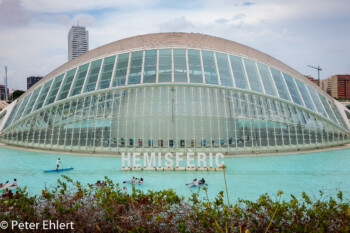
(338, 86)
(78, 42)
(32, 80)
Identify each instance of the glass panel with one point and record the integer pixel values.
(54, 89)
(238, 72)
(281, 86)
(106, 74)
(328, 108)
(32, 101)
(90, 84)
(253, 76)
(165, 65)
(317, 101)
(135, 68)
(210, 74)
(195, 67)
(12, 116)
(293, 90)
(67, 83)
(121, 70)
(21, 108)
(337, 114)
(202, 117)
(267, 80)
(150, 66)
(180, 65)
(43, 94)
(224, 70)
(79, 80)
(305, 94)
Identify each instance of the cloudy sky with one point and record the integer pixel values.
(33, 33)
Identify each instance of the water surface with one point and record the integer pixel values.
(247, 177)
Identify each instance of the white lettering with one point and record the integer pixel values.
(221, 155)
(159, 159)
(190, 159)
(25, 225)
(125, 159)
(46, 225)
(149, 162)
(136, 159)
(210, 160)
(169, 162)
(14, 224)
(179, 158)
(201, 158)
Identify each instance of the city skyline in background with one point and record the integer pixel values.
(33, 33)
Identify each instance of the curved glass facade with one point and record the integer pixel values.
(175, 98)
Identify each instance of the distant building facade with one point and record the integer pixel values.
(32, 80)
(338, 86)
(315, 81)
(326, 85)
(78, 42)
(2, 92)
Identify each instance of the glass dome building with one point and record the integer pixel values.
(175, 92)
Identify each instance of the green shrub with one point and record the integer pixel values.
(111, 209)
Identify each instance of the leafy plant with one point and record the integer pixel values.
(112, 209)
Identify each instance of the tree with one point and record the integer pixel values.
(16, 94)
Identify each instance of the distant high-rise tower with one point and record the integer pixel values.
(78, 42)
(32, 80)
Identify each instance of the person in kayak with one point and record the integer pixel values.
(98, 183)
(140, 181)
(58, 163)
(195, 183)
(131, 181)
(192, 182)
(202, 182)
(14, 183)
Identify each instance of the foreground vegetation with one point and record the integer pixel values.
(111, 209)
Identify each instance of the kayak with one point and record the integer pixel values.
(195, 186)
(60, 170)
(8, 187)
(129, 182)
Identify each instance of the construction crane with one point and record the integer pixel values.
(318, 68)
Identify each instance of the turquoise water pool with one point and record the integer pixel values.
(247, 177)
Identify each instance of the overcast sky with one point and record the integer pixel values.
(33, 33)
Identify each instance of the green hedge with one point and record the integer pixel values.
(111, 209)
